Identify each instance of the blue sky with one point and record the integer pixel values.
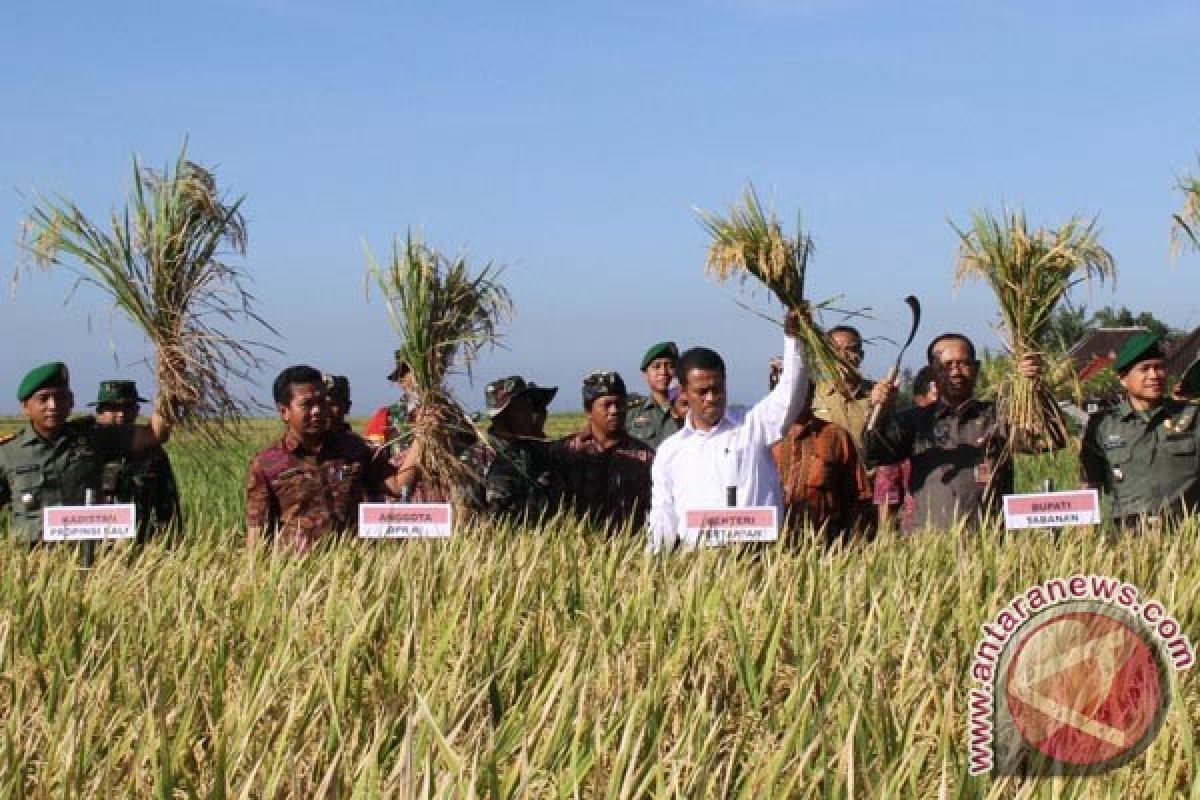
(570, 141)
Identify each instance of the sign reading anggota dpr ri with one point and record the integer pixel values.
(1072, 677)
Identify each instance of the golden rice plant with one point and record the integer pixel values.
(162, 263)
(1186, 221)
(1030, 271)
(750, 243)
(445, 313)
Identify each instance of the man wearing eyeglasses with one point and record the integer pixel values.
(961, 464)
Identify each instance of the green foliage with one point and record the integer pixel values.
(1113, 317)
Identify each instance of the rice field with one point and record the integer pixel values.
(544, 662)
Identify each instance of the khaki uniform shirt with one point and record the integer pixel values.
(850, 414)
(649, 422)
(1147, 462)
(36, 472)
(958, 468)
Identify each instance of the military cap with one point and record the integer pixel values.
(337, 386)
(46, 376)
(401, 367)
(500, 393)
(660, 350)
(1140, 347)
(117, 393)
(602, 384)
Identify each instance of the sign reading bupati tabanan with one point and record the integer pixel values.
(405, 520)
(89, 523)
(1052, 509)
(720, 526)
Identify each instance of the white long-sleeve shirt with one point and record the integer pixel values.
(693, 468)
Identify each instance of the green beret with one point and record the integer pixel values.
(53, 375)
(660, 350)
(1139, 347)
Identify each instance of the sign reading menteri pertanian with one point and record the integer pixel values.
(89, 523)
(1052, 509)
(405, 520)
(715, 527)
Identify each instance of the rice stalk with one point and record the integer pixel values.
(1030, 271)
(161, 263)
(750, 243)
(1186, 222)
(445, 314)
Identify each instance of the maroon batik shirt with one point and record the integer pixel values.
(296, 496)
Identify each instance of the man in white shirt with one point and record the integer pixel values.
(722, 456)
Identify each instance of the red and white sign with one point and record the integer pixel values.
(89, 523)
(715, 527)
(1052, 509)
(405, 520)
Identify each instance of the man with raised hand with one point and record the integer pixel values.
(722, 454)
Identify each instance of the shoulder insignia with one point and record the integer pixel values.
(1185, 420)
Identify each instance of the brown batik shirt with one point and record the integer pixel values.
(960, 467)
(611, 485)
(297, 496)
(824, 481)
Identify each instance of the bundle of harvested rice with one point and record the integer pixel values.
(750, 242)
(162, 265)
(1187, 220)
(1030, 272)
(444, 314)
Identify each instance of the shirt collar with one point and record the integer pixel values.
(293, 445)
(689, 429)
(942, 409)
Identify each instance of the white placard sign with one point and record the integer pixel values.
(1052, 509)
(714, 527)
(405, 520)
(89, 523)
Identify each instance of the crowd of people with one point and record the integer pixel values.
(833, 456)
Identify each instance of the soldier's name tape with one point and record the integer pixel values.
(716, 527)
(89, 523)
(405, 520)
(1051, 509)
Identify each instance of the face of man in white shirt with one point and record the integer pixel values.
(704, 390)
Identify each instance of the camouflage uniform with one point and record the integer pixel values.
(36, 472)
(824, 482)
(514, 476)
(147, 481)
(648, 421)
(610, 485)
(299, 496)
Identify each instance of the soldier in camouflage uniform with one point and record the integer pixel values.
(1143, 452)
(55, 460)
(308, 485)
(144, 479)
(337, 391)
(602, 472)
(510, 461)
(392, 426)
(652, 419)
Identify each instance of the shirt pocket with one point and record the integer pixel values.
(1181, 447)
(28, 487)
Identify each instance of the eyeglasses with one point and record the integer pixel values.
(964, 364)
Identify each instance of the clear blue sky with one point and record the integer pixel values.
(571, 141)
